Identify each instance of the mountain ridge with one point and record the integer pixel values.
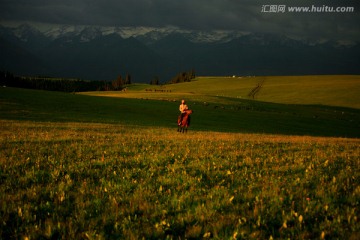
(103, 53)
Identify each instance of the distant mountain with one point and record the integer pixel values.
(17, 59)
(102, 58)
(103, 53)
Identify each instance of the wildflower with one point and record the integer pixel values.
(285, 224)
(19, 212)
(207, 235)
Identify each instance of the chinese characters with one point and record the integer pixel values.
(273, 8)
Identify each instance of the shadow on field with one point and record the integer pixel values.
(240, 116)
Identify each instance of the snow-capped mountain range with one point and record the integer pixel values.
(89, 33)
(152, 34)
(103, 53)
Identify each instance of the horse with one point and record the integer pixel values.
(185, 122)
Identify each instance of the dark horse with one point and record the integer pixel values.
(185, 122)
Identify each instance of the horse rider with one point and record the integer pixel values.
(182, 109)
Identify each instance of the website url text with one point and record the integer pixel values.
(312, 9)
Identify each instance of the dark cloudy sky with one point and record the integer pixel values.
(241, 15)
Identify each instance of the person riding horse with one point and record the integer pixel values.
(182, 109)
(184, 117)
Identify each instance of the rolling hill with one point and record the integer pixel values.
(330, 90)
(219, 104)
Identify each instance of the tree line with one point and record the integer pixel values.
(78, 85)
(183, 77)
(62, 84)
(179, 78)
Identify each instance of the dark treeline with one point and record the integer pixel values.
(119, 83)
(179, 78)
(61, 84)
(78, 85)
(183, 77)
(155, 81)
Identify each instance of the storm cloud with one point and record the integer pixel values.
(239, 15)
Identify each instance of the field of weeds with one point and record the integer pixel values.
(113, 181)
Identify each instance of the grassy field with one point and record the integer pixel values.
(341, 91)
(113, 167)
(110, 181)
(160, 109)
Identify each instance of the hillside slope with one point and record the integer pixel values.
(160, 109)
(336, 90)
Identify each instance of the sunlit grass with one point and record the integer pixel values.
(93, 180)
(332, 90)
(81, 167)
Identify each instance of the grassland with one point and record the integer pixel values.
(341, 91)
(213, 109)
(111, 181)
(85, 167)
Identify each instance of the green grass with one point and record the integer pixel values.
(335, 90)
(154, 109)
(74, 166)
(70, 180)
